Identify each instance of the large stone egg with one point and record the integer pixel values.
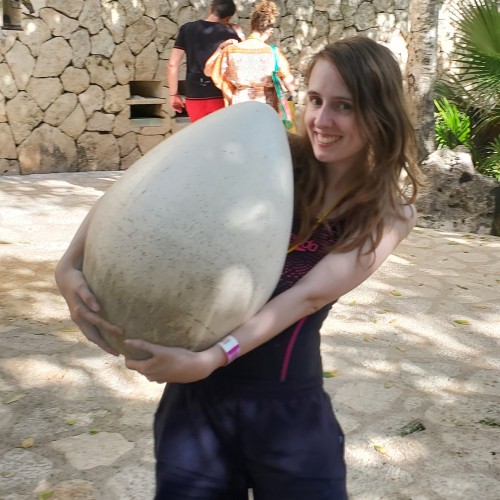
(191, 240)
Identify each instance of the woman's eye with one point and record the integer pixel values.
(344, 106)
(315, 100)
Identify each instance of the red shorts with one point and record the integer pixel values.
(198, 108)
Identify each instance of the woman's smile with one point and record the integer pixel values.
(326, 140)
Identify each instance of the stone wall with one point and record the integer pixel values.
(64, 79)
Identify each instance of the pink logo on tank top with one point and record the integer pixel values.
(307, 246)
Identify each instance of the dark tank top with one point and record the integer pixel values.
(292, 358)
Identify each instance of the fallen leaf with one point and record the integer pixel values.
(399, 348)
(380, 448)
(374, 320)
(7, 473)
(453, 243)
(395, 293)
(45, 495)
(331, 374)
(462, 321)
(13, 399)
(27, 443)
(71, 421)
(462, 287)
(387, 384)
(418, 231)
(67, 330)
(367, 338)
(6, 243)
(352, 303)
(490, 422)
(93, 431)
(411, 427)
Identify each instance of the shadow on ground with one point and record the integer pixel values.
(417, 342)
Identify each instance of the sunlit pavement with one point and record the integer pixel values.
(411, 360)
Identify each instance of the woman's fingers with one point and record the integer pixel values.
(93, 334)
(92, 324)
(99, 322)
(161, 367)
(84, 307)
(142, 345)
(88, 297)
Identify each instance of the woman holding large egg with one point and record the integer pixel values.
(250, 411)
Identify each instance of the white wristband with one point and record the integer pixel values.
(231, 347)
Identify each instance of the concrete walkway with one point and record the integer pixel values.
(416, 344)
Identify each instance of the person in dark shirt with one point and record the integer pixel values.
(251, 411)
(198, 40)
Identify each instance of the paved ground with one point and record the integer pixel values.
(418, 342)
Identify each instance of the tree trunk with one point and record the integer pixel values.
(421, 70)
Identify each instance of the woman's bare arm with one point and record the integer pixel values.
(174, 64)
(82, 303)
(335, 275)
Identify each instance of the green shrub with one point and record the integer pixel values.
(474, 89)
(452, 125)
(491, 164)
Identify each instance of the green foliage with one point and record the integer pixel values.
(474, 87)
(452, 125)
(491, 164)
(477, 51)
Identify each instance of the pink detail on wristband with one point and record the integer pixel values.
(231, 347)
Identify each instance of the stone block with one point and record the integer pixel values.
(46, 150)
(456, 197)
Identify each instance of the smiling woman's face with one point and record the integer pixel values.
(330, 119)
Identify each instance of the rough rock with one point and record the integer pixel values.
(59, 24)
(46, 143)
(60, 109)
(55, 55)
(45, 90)
(8, 87)
(21, 64)
(7, 144)
(24, 115)
(75, 80)
(456, 197)
(98, 152)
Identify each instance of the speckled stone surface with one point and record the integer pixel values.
(418, 341)
(188, 244)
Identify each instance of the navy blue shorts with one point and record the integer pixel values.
(214, 444)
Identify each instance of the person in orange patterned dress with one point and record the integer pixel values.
(243, 70)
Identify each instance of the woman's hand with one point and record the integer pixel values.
(238, 29)
(83, 306)
(227, 43)
(176, 103)
(173, 364)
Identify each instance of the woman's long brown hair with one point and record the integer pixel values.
(376, 186)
